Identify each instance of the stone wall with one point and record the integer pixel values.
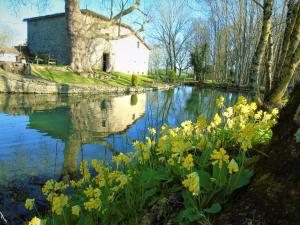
(49, 36)
(12, 83)
(128, 55)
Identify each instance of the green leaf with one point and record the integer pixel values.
(150, 193)
(221, 175)
(298, 136)
(204, 178)
(189, 200)
(190, 215)
(85, 220)
(241, 179)
(215, 208)
(205, 157)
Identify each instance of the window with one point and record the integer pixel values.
(138, 44)
(103, 123)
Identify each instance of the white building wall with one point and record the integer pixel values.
(8, 57)
(130, 55)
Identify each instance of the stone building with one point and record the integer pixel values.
(130, 54)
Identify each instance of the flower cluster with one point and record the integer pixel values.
(204, 160)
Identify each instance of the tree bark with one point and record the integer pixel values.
(261, 48)
(79, 61)
(290, 55)
(269, 65)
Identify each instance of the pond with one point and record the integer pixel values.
(46, 136)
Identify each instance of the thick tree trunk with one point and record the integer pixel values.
(273, 196)
(261, 48)
(79, 61)
(290, 57)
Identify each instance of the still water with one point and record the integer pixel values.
(46, 136)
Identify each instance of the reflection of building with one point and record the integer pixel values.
(108, 115)
(76, 122)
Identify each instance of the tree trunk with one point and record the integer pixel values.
(261, 48)
(273, 196)
(79, 61)
(286, 69)
(269, 65)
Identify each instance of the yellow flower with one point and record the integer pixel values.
(84, 170)
(89, 192)
(219, 157)
(233, 167)
(245, 109)
(217, 119)
(121, 158)
(171, 161)
(29, 204)
(258, 115)
(242, 100)
(201, 122)
(35, 221)
(59, 202)
(220, 102)
(253, 106)
(93, 203)
(275, 112)
(48, 187)
(152, 131)
(76, 210)
(192, 183)
(246, 135)
(267, 116)
(188, 162)
(228, 113)
(229, 123)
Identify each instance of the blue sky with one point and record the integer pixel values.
(11, 19)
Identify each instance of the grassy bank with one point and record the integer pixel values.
(61, 74)
(176, 176)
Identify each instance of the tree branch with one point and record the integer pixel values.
(259, 4)
(128, 10)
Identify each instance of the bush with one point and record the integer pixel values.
(133, 100)
(172, 76)
(202, 163)
(135, 80)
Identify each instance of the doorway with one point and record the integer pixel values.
(105, 62)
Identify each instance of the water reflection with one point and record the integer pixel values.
(76, 120)
(46, 136)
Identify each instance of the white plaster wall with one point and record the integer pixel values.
(125, 55)
(128, 57)
(8, 57)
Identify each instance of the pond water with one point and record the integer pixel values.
(46, 136)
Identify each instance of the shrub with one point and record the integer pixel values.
(133, 100)
(172, 76)
(135, 80)
(202, 162)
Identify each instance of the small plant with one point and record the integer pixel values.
(135, 80)
(172, 76)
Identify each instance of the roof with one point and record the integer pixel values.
(87, 12)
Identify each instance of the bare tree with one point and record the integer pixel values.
(173, 32)
(6, 38)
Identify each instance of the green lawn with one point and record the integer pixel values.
(63, 75)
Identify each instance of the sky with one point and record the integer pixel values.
(11, 19)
